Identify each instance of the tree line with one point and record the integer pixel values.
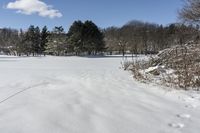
(83, 38)
(139, 37)
(86, 38)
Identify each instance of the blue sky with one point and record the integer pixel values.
(104, 13)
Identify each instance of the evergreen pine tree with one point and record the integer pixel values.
(37, 40)
(57, 44)
(44, 40)
(85, 37)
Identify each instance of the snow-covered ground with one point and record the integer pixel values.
(88, 95)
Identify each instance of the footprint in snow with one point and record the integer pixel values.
(192, 102)
(176, 125)
(183, 116)
(191, 106)
(189, 99)
(195, 96)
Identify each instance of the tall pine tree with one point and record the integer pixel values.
(85, 37)
(44, 40)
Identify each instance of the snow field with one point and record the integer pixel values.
(88, 95)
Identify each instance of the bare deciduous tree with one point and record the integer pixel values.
(191, 11)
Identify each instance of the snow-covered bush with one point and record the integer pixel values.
(178, 66)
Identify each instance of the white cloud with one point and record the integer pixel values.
(29, 7)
